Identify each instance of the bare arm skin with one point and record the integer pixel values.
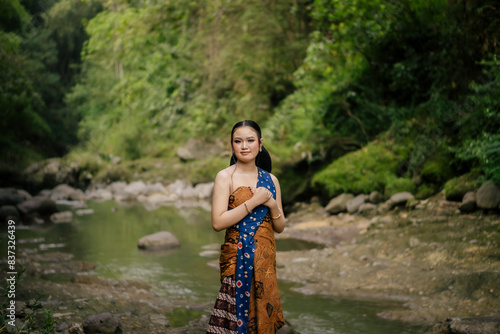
(223, 218)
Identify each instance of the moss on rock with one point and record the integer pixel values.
(456, 188)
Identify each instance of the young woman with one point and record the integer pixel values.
(247, 204)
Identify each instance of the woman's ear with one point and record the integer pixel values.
(261, 144)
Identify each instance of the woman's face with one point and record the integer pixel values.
(246, 143)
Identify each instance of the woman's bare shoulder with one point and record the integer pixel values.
(274, 178)
(224, 175)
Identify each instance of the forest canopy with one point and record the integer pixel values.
(413, 84)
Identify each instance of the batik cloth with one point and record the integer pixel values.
(246, 252)
(263, 313)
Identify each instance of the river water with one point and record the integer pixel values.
(109, 238)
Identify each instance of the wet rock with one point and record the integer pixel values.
(376, 197)
(177, 187)
(159, 240)
(156, 188)
(117, 187)
(338, 204)
(42, 205)
(9, 212)
(480, 325)
(367, 208)
(488, 196)
(204, 190)
(62, 217)
(62, 192)
(400, 198)
(468, 202)
(353, 205)
(99, 195)
(11, 196)
(83, 212)
(102, 323)
(135, 188)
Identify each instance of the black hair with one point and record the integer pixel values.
(263, 159)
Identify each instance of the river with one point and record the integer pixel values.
(109, 236)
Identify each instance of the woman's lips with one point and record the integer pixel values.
(245, 153)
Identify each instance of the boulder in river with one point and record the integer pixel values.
(354, 204)
(158, 240)
(468, 202)
(42, 205)
(400, 198)
(8, 212)
(12, 196)
(338, 204)
(102, 323)
(488, 196)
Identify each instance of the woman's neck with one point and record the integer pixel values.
(248, 167)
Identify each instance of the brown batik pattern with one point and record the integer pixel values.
(266, 314)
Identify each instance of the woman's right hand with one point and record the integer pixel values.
(261, 195)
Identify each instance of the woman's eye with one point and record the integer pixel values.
(237, 141)
(251, 140)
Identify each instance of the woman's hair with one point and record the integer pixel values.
(263, 159)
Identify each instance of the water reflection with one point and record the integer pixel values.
(109, 239)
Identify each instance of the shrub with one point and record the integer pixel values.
(397, 185)
(361, 171)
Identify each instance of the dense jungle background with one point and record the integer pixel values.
(352, 96)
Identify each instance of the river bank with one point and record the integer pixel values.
(439, 262)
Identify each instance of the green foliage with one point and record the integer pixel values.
(424, 191)
(456, 187)
(395, 185)
(362, 171)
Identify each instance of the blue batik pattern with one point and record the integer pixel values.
(246, 251)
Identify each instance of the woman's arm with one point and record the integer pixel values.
(276, 208)
(223, 218)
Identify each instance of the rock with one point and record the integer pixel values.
(77, 195)
(376, 197)
(99, 195)
(62, 217)
(159, 319)
(455, 189)
(159, 240)
(136, 188)
(189, 193)
(338, 204)
(488, 196)
(11, 196)
(9, 212)
(354, 204)
(42, 205)
(204, 190)
(156, 188)
(199, 150)
(117, 187)
(367, 208)
(414, 242)
(468, 202)
(83, 212)
(177, 187)
(384, 207)
(61, 192)
(412, 203)
(102, 323)
(400, 198)
(480, 325)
